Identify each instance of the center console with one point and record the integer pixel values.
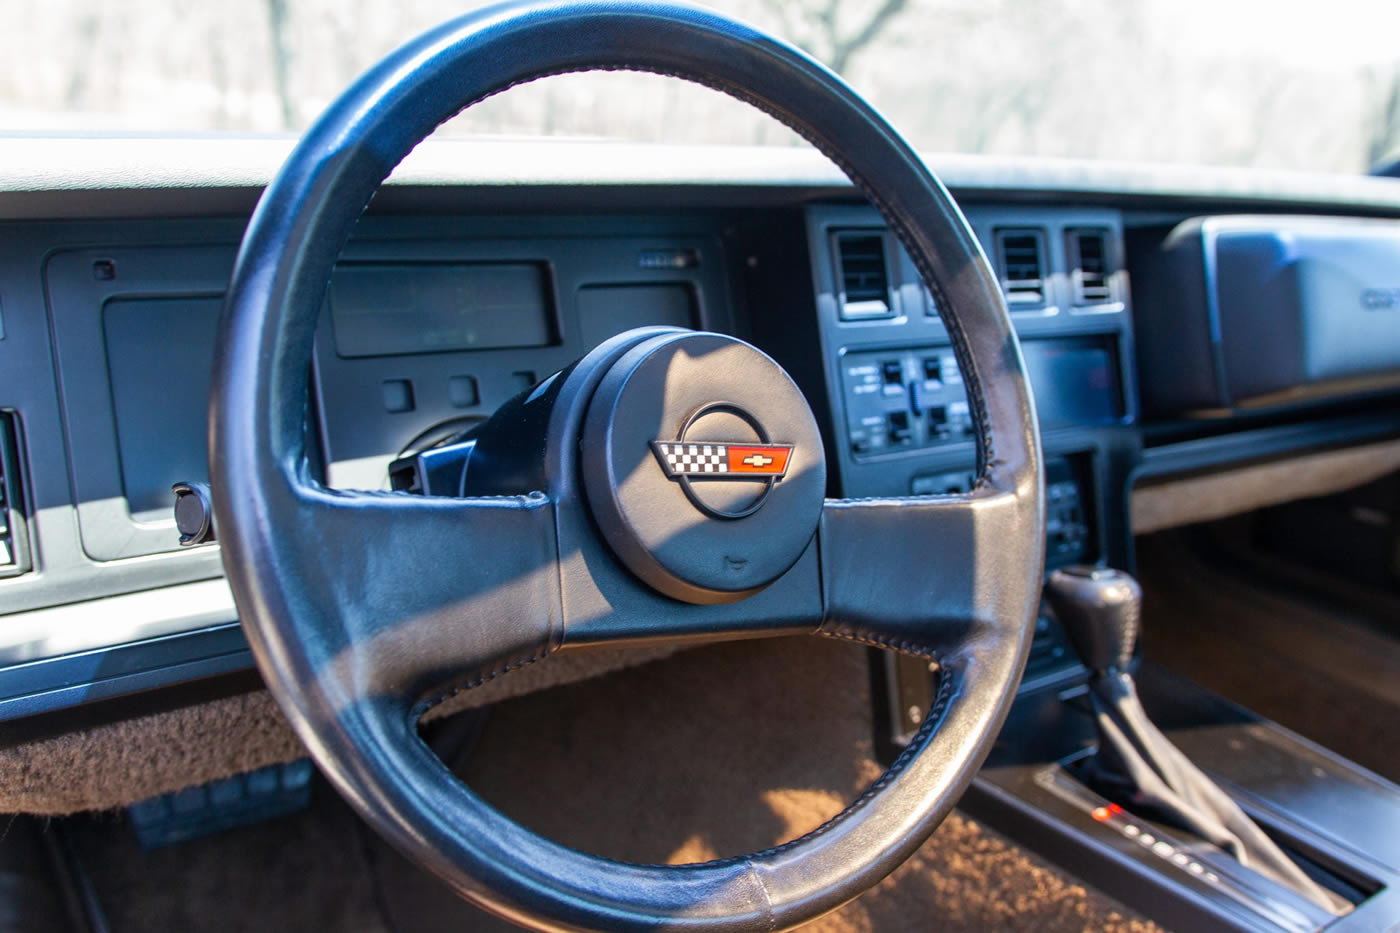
(898, 424)
(900, 421)
(1338, 821)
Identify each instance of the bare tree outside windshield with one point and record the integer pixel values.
(1229, 82)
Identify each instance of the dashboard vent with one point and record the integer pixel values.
(14, 545)
(1021, 254)
(865, 280)
(1088, 256)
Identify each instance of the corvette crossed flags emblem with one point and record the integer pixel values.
(722, 461)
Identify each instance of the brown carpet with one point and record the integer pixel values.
(1329, 677)
(118, 763)
(709, 753)
(733, 748)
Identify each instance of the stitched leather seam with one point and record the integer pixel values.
(904, 500)
(532, 498)
(916, 745)
(419, 709)
(942, 697)
(875, 640)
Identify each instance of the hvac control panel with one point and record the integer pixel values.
(904, 399)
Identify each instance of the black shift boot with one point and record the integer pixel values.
(1136, 764)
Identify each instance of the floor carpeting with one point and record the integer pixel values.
(709, 753)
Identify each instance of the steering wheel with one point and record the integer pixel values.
(669, 485)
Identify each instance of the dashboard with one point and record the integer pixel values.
(460, 291)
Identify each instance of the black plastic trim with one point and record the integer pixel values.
(1240, 446)
(53, 684)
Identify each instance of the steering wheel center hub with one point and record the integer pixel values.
(703, 466)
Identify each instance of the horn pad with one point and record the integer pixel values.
(703, 466)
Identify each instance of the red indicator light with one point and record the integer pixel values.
(1114, 809)
(1102, 814)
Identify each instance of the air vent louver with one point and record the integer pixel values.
(1088, 253)
(865, 282)
(1022, 267)
(14, 544)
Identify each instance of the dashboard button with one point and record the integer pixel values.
(462, 392)
(900, 432)
(397, 395)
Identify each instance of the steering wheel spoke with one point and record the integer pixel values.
(923, 574)
(602, 605)
(413, 595)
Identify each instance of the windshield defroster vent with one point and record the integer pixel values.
(1021, 256)
(864, 275)
(1089, 265)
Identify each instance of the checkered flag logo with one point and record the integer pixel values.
(735, 460)
(694, 459)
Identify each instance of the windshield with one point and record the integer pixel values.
(1226, 82)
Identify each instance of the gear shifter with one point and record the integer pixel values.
(1100, 611)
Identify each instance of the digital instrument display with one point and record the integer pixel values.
(1075, 381)
(391, 309)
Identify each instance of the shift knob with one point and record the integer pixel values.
(1100, 609)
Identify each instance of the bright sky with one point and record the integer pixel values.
(1325, 33)
(1276, 83)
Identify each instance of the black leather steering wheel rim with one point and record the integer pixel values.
(353, 660)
